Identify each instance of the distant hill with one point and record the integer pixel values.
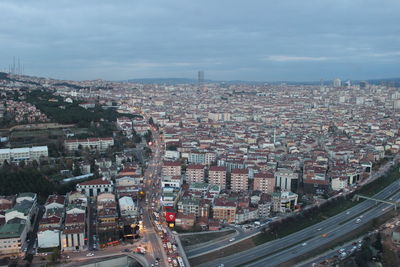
(171, 81)
(163, 81)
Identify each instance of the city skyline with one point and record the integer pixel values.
(262, 41)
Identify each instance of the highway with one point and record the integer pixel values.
(202, 249)
(207, 248)
(286, 248)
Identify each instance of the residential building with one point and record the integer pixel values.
(239, 180)
(189, 206)
(217, 176)
(224, 210)
(195, 173)
(264, 182)
(171, 168)
(246, 214)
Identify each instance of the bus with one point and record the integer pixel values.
(180, 261)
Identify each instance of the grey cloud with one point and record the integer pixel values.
(252, 40)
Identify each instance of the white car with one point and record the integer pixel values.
(232, 239)
(358, 220)
(304, 244)
(90, 255)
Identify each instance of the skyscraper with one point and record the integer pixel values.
(337, 82)
(200, 77)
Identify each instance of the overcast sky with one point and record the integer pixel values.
(262, 40)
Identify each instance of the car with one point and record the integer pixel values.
(347, 212)
(89, 255)
(169, 259)
(304, 244)
(319, 229)
(358, 220)
(232, 239)
(341, 250)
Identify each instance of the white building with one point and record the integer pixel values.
(339, 183)
(16, 155)
(127, 207)
(94, 187)
(245, 215)
(49, 238)
(100, 144)
(284, 179)
(284, 201)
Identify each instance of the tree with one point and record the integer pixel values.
(151, 122)
(378, 242)
(389, 257)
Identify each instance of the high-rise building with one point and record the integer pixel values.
(239, 180)
(363, 84)
(200, 77)
(195, 173)
(217, 176)
(337, 82)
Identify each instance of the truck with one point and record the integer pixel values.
(141, 250)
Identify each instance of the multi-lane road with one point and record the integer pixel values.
(152, 190)
(281, 250)
(203, 250)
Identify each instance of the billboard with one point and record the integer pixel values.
(170, 216)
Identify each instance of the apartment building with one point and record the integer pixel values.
(171, 168)
(217, 176)
(239, 180)
(264, 182)
(195, 173)
(224, 210)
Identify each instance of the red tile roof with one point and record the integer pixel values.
(217, 168)
(171, 163)
(95, 182)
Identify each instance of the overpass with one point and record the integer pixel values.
(395, 204)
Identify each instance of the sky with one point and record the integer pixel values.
(254, 40)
